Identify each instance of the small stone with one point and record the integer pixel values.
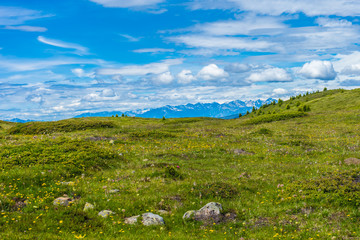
(105, 213)
(145, 160)
(211, 209)
(62, 201)
(68, 183)
(114, 191)
(131, 220)
(88, 206)
(149, 219)
(111, 141)
(189, 214)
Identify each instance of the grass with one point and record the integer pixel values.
(283, 177)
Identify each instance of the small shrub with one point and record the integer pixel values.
(264, 131)
(171, 172)
(274, 117)
(288, 106)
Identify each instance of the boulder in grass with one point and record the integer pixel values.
(132, 220)
(62, 201)
(88, 206)
(149, 219)
(105, 213)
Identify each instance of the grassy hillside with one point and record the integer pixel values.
(278, 172)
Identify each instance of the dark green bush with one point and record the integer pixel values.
(274, 117)
(69, 125)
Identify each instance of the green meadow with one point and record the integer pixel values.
(289, 170)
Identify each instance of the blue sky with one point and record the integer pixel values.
(62, 58)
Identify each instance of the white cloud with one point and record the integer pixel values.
(130, 38)
(353, 69)
(212, 72)
(108, 92)
(280, 91)
(316, 69)
(237, 68)
(137, 70)
(79, 72)
(16, 15)
(163, 78)
(25, 28)
(185, 77)
(332, 22)
(58, 43)
(203, 41)
(270, 75)
(249, 24)
(278, 7)
(346, 63)
(28, 64)
(127, 4)
(154, 50)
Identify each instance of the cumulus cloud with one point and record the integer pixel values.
(212, 72)
(137, 70)
(79, 72)
(280, 91)
(185, 77)
(108, 92)
(35, 98)
(333, 22)
(353, 69)
(127, 4)
(26, 28)
(80, 50)
(270, 75)
(316, 69)
(163, 78)
(237, 68)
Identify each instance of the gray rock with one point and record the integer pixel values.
(210, 210)
(88, 206)
(189, 214)
(105, 213)
(149, 219)
(114, 191)
(132, 220)
(62, 201)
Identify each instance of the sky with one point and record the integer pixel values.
(62, 58)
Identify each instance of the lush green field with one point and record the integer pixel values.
(285, 173)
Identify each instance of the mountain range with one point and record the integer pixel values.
(227, 110)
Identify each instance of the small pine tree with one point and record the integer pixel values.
(122, 115)
(325, 89)
(247, 113)
(253, 109)
(280, 102)
(116, 115)
(288, 106)
(240, 115)
(163, 118)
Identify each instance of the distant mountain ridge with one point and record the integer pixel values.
(227, 110)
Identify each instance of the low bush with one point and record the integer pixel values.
(69, 125)
(274, 117)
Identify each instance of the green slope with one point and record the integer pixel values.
(284, 173)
